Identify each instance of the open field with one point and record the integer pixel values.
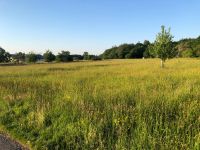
(118, 104)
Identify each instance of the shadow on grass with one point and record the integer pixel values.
(11, 64)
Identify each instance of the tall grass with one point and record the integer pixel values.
(118, 104)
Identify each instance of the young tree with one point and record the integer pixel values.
(4, 56)
(49, 56)
(163, 45)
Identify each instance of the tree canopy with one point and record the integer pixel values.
(19, 57)
(49, 56)
(4, 56)
(31, 57)
(64, 56)
(163, 45)
(126, 51)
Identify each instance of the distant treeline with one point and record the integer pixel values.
(48, 56)
(184, 47)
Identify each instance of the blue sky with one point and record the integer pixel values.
(92, 25)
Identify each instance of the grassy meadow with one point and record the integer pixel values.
(113, 104)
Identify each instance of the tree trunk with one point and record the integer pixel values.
(162, 63)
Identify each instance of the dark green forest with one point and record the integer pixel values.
(185, 48)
